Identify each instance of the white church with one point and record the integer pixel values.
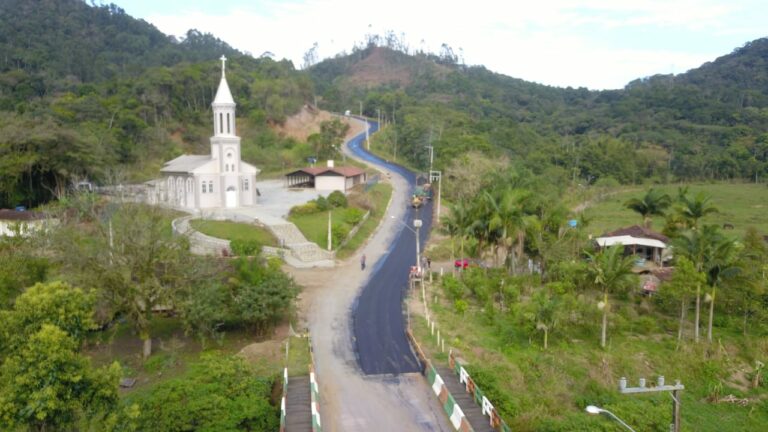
(218, 180)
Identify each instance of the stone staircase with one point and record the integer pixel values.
(290, 236)
(471, 410)
(298, 405)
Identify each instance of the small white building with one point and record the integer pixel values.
(22, 223)
(639, 241)
(218, 180)
(328, 178)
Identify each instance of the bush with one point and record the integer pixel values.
(339, 233)
(305, 209)
(242, 247)
(453, 288)
(219, 393)
(353, 215)
(337, 199)
(322, 203)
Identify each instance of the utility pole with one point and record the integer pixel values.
(437, 176)
(659, 387)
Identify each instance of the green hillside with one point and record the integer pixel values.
(708, 123)
(103, 96)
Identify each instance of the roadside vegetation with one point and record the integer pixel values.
(548, 324)
(110, 293)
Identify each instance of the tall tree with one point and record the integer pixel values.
(610, 271)
(131, 258)
(653, 203)
(685, 281)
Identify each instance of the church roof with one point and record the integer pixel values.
(186, 163)
(223, 95)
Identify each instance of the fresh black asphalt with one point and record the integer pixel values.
(378, 323)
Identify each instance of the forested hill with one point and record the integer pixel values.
(68, 38)
(88, 92)
(708, 123)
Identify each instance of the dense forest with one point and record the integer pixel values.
(708, 123)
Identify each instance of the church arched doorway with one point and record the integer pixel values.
(231, 197)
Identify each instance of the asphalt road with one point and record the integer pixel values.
(378, 322)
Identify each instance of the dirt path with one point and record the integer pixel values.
(349, 400)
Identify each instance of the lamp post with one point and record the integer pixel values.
(594, 410)
(417, 225)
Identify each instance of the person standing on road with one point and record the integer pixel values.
(362, 262)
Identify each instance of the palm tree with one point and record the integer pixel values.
(507, 219)
(610, 271)
(652, 204)
(713, 254)
(721, 264)
(456, 223)
(691, 210)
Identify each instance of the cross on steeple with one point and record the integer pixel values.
(223, 63)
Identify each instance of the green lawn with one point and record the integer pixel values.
(380, 195)
(234, 230)
(315, 226)
(740, 204)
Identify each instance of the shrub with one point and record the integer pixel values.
(305, 209)
(337, 199)
(339, 233)
(322, 203)
(218, 393)
(353, 215)
(241, 247)
(453, 288)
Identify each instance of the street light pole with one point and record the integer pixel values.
(416, 224)
(591, 409)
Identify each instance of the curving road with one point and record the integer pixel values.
(368, 377)
(378, 321)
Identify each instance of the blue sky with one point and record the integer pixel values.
(599, 44)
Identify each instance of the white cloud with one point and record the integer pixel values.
(556, 42)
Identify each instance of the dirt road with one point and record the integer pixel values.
(351, 401)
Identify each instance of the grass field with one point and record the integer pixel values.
(315, 226)
(537, 389)
(739, 204)
(234, 230)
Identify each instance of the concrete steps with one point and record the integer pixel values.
(298, 405)
(472, 411)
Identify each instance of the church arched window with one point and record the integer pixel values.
(205, 188)
(245, 184)
(221, 123)
(228, 126)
